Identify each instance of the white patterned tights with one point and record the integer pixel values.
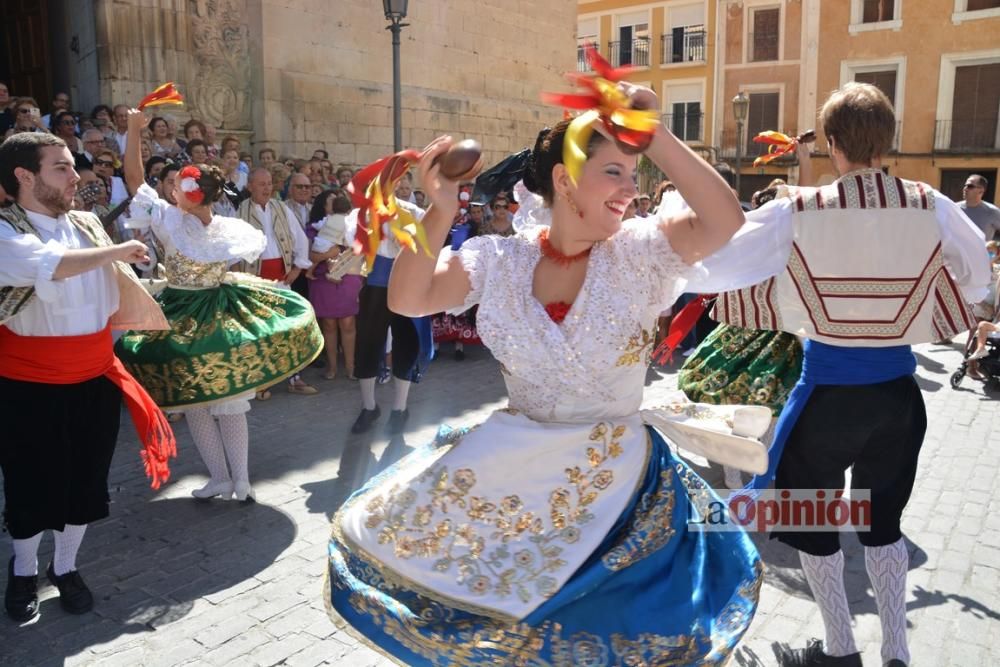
(219, 439)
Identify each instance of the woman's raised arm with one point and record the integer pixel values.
(420, 285)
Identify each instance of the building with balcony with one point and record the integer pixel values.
(672, 46)
(939, 62)
(766, 50)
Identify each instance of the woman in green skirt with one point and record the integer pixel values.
(743, 366)
(230, 333)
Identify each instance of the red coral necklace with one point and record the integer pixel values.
(549, 251)
(558, 310)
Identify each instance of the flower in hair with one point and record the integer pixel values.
(190, 175)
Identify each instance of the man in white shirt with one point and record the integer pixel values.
(60, 102)
(287, 251)
(875, 264)
(62, 286)
(121, 127)
(299, 192)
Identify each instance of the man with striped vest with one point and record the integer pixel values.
(63, 287)
(875, 264)
(287, 251)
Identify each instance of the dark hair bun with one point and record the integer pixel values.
(547, 153)
(529, 178)
(211, 182)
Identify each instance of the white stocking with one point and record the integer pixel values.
(26, 556)
(734, 480)
(207, 438)
(236, 439)
(402, 393)
(825, 575)
(67, 545)
(367, 393)
(887, 570)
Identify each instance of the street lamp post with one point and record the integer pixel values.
(395, 12)
(741, 104)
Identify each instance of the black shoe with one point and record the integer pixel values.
(812, 656)
(459, 355)
(21, 598)
(895, 662)
(366, 419)
(397, 420)
(74, 596)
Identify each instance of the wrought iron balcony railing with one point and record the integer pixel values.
(970, 135)
(633, 52)
(686, 47)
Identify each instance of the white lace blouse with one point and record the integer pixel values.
(187, 242)
(591, 366)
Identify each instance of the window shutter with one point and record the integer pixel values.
(884, 81)
(762, 116)
(975, 5)
(976, 106)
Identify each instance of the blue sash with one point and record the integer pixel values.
(379, 277)
(379, 274)
(824, 364)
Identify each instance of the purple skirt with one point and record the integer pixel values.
(335, 300)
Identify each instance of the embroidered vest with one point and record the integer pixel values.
(279, 225)
(865, 270)
(137, 310)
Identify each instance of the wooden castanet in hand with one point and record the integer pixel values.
(462, 162)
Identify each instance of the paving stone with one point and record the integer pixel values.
(218, 583)
(238, 649)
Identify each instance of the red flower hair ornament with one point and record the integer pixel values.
(190, 175)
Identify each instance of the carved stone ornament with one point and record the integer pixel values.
(220, 41)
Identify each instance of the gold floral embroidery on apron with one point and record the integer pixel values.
(454, 525)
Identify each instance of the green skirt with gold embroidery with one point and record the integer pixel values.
(223, 342)
(743, 366)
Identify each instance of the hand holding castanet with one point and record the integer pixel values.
(462, 161)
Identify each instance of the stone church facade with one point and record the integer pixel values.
(297, 75)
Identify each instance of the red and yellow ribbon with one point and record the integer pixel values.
(165, 94)
(778, 144)
(372, 193)
(603, 101)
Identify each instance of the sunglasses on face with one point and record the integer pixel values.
(970, 186)
(103, 163)
(302, 186)
(68, 121)
(24, 111)
(500, 207)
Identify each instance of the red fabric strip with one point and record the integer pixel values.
(272, 269)
(681, 326)
(75, 359)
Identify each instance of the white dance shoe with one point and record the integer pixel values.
(212, 489)
(243, 492)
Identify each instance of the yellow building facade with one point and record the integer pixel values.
(672, 46)
(939, 61)
(767, 52)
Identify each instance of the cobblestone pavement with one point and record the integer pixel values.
(179, 582)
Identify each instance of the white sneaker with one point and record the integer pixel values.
(979, 354)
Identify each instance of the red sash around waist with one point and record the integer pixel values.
(272, 269)
(75, 359)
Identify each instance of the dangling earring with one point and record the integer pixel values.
(572, 206)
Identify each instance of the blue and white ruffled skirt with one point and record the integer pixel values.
(657, 591)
